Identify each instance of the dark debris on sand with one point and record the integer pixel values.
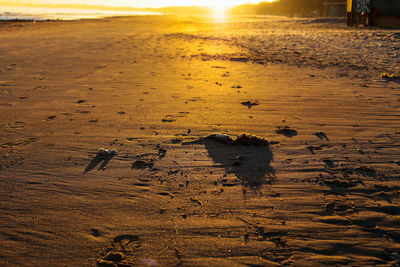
(250, 104)
(286, 131)
(243, 140)
(322, 136)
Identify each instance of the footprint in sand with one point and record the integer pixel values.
(20, 143)
(94, 232)
(82, 111)
(17, 125)
(141, 165)
(329, 163)
(194, 99)
(172, 118)
(15, 155)
(168, 118)
(121, 252)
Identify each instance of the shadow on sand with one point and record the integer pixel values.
(99, 158)
(251, 164)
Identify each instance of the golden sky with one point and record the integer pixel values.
(139, 3)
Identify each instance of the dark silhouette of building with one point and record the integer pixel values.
(380, 13)
(334, 8)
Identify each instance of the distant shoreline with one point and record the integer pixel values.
(15, 13)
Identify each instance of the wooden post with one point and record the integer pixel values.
(350, 13)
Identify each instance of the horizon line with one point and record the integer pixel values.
(101, 7)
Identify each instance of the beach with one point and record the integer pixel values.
(151, 91)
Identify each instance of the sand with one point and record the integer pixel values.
(325, 191)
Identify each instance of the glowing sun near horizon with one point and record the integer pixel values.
(220, 7)
(219, 12)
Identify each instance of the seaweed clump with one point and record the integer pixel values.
(243, 140)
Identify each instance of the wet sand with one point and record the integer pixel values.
(153, 88)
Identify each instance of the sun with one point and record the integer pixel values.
(221, 7)
(220, 10)
(219, 13)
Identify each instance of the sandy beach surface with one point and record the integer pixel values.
(323, 191)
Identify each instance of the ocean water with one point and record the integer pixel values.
(39, 13)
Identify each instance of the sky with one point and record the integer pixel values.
(139, 3)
